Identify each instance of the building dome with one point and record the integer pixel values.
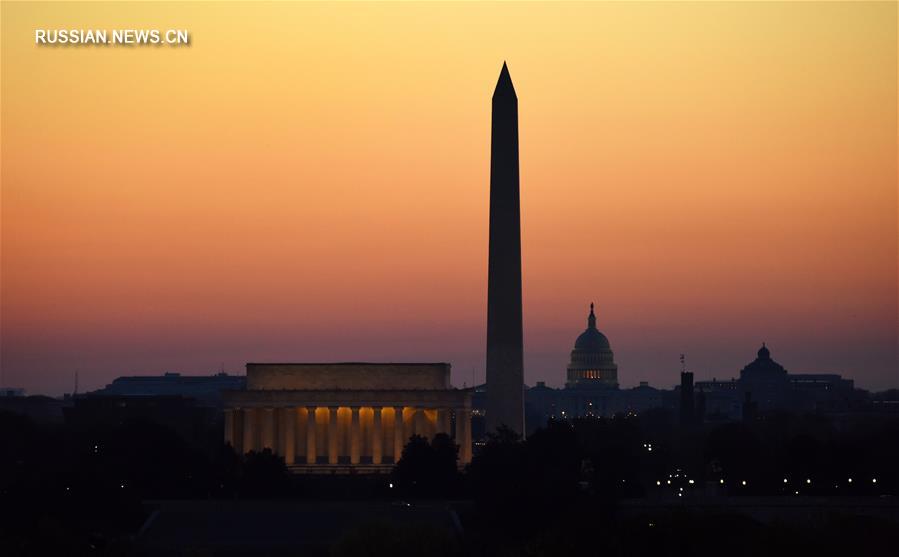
(592, 340)
(763, 368)
(592, 362)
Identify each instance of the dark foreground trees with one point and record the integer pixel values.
(66, 491)
(570, 488)
(636, 486)
(428, 469)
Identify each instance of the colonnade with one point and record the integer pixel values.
(331, 435)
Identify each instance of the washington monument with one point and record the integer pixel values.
(505, 359)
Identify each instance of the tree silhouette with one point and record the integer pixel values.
(264, 475)
(428, 469)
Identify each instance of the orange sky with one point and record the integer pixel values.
(310, 182)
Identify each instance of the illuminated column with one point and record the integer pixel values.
(419, 423)
(288, 434)
(377, 441)
(268, 428)
(299, 435)
(310, 435)
(427, 429)
(355, 436)
(443, 422)
(398, 434)
(463, 434)
(249, 430)
(333, 434)
(229, 426)
(431, 425)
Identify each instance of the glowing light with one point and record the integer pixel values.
(850, 480)
(721, 481)
(785, 480)
(744, 482)
(691, 482)
(808, 481)
(390, 485)
(658, 482)
(669, 482)
(873, 480)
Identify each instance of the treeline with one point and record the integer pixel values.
(562, 490)
(72, 492)
(66, 491)
(650, 455)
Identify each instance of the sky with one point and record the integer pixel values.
(309, 182)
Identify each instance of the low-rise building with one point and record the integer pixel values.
(345, 417)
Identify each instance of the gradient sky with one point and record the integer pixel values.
(309, 182)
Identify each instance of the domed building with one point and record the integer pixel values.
(592, 362)
(763, 368)
(766, 382)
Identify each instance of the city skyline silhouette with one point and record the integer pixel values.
(451, 279)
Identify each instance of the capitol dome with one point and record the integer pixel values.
(592, 340)
(592, 362)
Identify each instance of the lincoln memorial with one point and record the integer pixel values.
(345, 417)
